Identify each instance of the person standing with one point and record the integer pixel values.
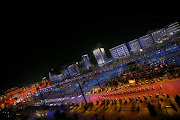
(160, 86)
(152, 87)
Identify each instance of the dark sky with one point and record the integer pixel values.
(36, 41)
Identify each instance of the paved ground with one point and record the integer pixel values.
(128, 110)
(170, 87)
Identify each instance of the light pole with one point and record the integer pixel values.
(82, 93)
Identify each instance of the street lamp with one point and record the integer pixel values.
(82, 92)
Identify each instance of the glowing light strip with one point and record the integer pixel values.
(101, 54)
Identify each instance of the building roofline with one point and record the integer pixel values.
(118, 46)
(133, 40)
(144, 36)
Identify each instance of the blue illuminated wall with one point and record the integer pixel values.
(73, 70)
(134, 46)
(146, 41)
(86, 61)
(119, 51)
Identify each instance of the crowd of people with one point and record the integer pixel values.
(143, 74)
(117, 85)
(149, 72)
(118, 103)
(129, 90)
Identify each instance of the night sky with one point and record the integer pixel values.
(36, 41)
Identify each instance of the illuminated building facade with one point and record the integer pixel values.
(119, 51)
(60, 77)
(86, 61)
(55, 77)
(159, 35)
(146, 41)
(16, 95)
(172, 28)
(134, 46)
(100, 56)
(65, 72)
(73, 70)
